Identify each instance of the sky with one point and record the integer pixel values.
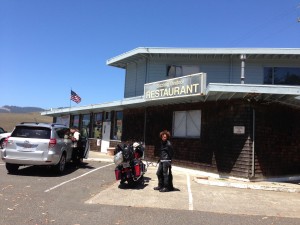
(48, 47)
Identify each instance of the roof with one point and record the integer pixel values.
(251, 53)
(288, 95)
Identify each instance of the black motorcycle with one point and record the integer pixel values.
(130, 168)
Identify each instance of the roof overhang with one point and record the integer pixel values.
(288, 95)
(137, 54)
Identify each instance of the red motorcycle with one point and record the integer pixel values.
(130, 168)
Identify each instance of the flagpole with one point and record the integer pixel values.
(70, 109)
(70, 99)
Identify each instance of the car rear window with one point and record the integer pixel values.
(31, 132)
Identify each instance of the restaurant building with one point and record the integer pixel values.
(231, 111)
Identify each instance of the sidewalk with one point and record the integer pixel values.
(201, 177)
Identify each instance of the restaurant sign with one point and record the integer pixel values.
(193, 84)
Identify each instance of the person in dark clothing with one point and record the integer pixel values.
(164, 173)
(75, 138)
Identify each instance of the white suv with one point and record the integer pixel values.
(37, 144)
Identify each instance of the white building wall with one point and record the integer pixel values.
(218, 70)
(130, 82)
(135, 79)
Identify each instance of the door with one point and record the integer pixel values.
(105, 136)
(85, 142)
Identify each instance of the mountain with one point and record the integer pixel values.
(17, 109)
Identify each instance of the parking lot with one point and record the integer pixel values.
(36, 195)
(191, 195)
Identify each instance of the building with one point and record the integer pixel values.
(230, 111)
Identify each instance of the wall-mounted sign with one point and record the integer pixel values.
(193, 84)
(239, 129)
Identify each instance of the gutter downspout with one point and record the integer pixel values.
(136, 75)
(125, 83)
(231, 69)
(146, 76)
(243, 58)
(253, 147)
(145, 124)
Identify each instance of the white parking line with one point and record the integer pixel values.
(188, 183)
(75, 178)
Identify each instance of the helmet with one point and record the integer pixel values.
(135, 144)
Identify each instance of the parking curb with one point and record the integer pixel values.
(221, 183)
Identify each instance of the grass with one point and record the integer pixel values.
(9, 120)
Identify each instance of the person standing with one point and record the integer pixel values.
(75, 136)
(164, 171)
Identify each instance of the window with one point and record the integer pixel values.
(63, 120)
(117, 133)
(85, 125)
(75, 121)
(61, 132)
(186, 123)
(31, 132)
(179, 71)
(174, 71)
(97, 126)
(282, 75)
(107, 116)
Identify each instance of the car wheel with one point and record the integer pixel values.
(60, 167)
(12, 168)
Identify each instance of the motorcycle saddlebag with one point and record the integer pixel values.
(138, 169)
(118, 174)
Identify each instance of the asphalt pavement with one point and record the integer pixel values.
(204, 192)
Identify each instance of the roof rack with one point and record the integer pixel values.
(57, 124)
(29, 122)
(37, 123)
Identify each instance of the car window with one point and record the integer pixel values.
(1, 130)
(61, 132)
(31, 132)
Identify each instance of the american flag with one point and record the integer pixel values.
(75, 97)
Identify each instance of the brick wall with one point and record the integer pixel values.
(93, 145)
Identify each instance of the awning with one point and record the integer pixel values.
(288, 95)
(269, 93)
(137, 54)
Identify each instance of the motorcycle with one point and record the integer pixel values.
(130, 168)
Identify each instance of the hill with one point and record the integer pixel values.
(9, 120)
(17, 109)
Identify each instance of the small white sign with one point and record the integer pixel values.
(239, 129)
(98, 142)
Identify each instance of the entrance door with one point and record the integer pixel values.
(105, 136)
